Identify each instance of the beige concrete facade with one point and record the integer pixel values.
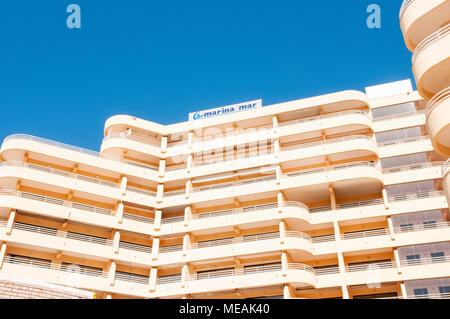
(344, 195)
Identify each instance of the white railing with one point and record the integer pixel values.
(227, 157)
(174, 193)
(371, 266)
(432, 38)
(172, 220)
(322, 239)
(329, 168)
(57, 201)
(362, 203)
(250, 270)
(171, 248)
(405, 140)
(405, 5)
(135, 247)
(134, 278)
(424, 261)
(63, 234)
(412, 167)
(141, 191)
(431, 296)
(437, 99)
(75, 149)
(365, 234)
(326, 271)
(446, 168)
(138, 218)
(236, 183)
(169, 279)
(133, 137)
(398, 115)
(320, 117)
(3, 223)
(61, 173)
(415, 195)
(49, 266)
(326, 142)
(421, 227)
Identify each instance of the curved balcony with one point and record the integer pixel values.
(438, 121)
(300, 245)
(15, 146)
(419, 18)
(431, 63)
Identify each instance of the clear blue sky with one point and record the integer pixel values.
(160, 60)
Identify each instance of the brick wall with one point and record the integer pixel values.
(19, 289)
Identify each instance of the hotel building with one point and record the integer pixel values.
(343, 195)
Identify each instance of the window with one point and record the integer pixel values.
(444, 290)
(430, 224)
(438, 256)
(406, 227)
(420, 292)
(413, 259)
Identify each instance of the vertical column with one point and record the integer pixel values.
(332, 197)
(10, 223)
(57, 261)
(187, 215)
(2, 254)
(164, 144)
(341, 260)
(385, 198)
(190, 139)
(397, 261)
(116, 241)
(282, 227)
(123, 185)
(284, 262)
(155, 248)
(280, 199)
(186, 274)
(152, 280)
(119, 212)
(288, 292)
(279, 174)
(162, 168)
(277, 147)
(186, 243)
(391, 228)
(189, 189)
(112, 272)
(275, 124)
(158, 216)
(403, 289)
(159, 193)
(189, 163)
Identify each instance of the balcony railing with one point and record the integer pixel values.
(169, 279)
(249, 271)
(424, 261)
(371, 266)
(128, 277)
(329, 168)
(405, 5)
(326, 142)
(172, 220)
(412, 167)
(432, 38)
(413, 196)
(398, 115)
(61, 173)
(141, 191)
(75, 149)
(431, 296)
(405, 140)
(446, 168)
(133, 137)
(437, 99)
(55, 267)
(63, 234)
(320, 117)
(365, 234)
(421, 227)
(135, 247)
(57, 201)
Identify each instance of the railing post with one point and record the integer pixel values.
(190, 140)
(284, 262)
(159, 193)
(275, 124)
(119, 212)
(345, 294)
(288, 292)
(162, 168)
(10, 223)
(403, 289)
(385, 198)
(153, 279)
(185, 275)
(123, 185)
(158, 215)
(2, 254)
(397, 261)
(276, 145)
(155, 248)
(279, 174)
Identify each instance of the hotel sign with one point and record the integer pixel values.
(223, 110)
